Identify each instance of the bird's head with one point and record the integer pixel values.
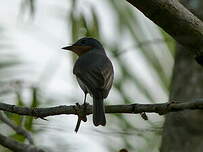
(84, 45)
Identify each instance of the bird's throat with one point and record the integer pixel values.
(80, 50)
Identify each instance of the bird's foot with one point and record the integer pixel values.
(85, 104)
(80, 111)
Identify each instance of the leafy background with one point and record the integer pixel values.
(35, 72)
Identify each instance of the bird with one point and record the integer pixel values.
(94, 73)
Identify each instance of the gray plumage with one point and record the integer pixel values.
(94, 72)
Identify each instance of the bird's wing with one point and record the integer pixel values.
(96, 73)
(108, 75)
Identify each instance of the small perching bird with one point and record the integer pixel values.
(94, 73)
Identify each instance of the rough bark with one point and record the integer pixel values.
(176, 20)
(160, 108)
(183, 131)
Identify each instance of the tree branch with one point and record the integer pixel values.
(176, 20)
(17, 129)
(162, 108)
(17, 146)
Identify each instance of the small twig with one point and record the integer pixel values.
(77, 125)
(43, 118)
(17, 129)
(144, 115)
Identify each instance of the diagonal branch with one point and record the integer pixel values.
(18, 129)
(162, 108)
(17, 146)
(176, 20)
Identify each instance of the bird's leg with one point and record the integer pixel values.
(78, 124)
(85, 98)
(85, 108)
(84, 103)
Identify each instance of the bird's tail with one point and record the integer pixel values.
(98, 112)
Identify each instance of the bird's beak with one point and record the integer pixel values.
(74, 48)
(77, 48)
(68, 48)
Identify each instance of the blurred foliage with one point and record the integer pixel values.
(8, 61)
(90, 25)
(27, 6)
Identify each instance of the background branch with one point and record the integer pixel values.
(17, 129)
(17, 146)
(176, 20)
(161, 108)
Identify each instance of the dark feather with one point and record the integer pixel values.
(95, 71)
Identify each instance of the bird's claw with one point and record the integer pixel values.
(80, 111)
